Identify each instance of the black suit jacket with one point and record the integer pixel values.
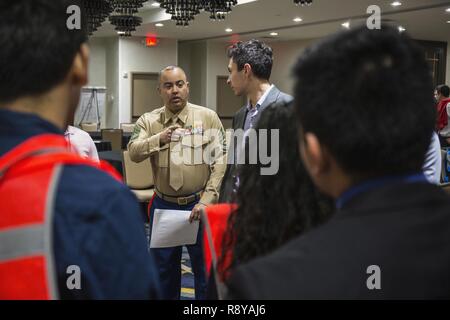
(274, 96)
(404, 229)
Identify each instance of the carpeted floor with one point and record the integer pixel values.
(187, 277)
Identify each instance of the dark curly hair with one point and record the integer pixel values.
(254, 52)
(273, 209)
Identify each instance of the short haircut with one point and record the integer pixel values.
(376, 116)
(256, 53)
(444, 90)
(169, 68)
(37, 48)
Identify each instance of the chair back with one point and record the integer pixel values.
(127, 127)
(137, 175)
(89, 126)
(114, 136)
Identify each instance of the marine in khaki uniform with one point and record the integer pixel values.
(186, 147)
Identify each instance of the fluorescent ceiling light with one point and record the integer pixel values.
(245, 1)
(229, 30)
(396, 3)
(298, 19)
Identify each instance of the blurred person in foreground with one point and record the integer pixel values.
(69, 228)
(389, 237)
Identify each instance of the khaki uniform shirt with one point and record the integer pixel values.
(198, 159)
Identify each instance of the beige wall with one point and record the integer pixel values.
(209, 58)
(217, 66)
(203, 61)
(192, 57)
(285, 55)
(135, 57)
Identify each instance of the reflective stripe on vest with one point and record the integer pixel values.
(29, 177)
(26, 253)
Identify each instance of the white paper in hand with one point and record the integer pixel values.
(171, 228)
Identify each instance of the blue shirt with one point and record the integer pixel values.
(97, 225)
(252, 112)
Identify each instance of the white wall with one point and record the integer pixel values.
(97, 62)
(112, 84)
(135, 57)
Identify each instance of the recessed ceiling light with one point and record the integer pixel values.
(401, 29)
(346, 25)
(228, 30)
(297, 19)
(447, 10)
(159, 25)
(274, 34)
(155, 4)
(120, 32)
(448, 21)
(396, 3)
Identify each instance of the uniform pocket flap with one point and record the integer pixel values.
(194, 141)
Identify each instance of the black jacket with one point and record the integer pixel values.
(274, 96)
(402, 228)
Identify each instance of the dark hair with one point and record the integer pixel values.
(376, 116)
(273, 209)
(254, 52)
(444, 90)
(37, 48)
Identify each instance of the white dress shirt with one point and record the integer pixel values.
(81, 142)
(433, 163)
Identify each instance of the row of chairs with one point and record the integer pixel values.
(138, 177)
(115, 136)
(94, 127)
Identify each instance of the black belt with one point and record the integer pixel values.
(181, 201)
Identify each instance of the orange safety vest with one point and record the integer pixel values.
(215, 220)
(29, 177)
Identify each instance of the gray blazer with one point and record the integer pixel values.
(274, 96)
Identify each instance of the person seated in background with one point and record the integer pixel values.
(442, 97)
(271, 209)
(69, 227)
(389, 238)
(81, 142)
